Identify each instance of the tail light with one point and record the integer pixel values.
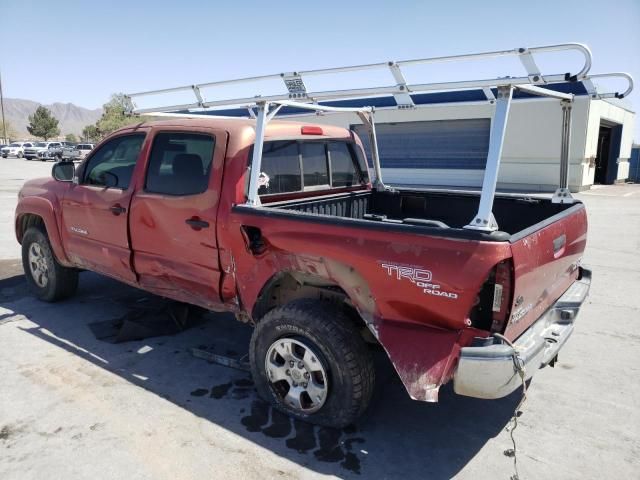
(491, 309)
(501, 296)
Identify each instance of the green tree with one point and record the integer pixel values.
(70, 137)
(114, 117)
(43, 124)
(90, 133)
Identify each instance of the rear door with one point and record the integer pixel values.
(95, 211)
(545, 264)
(173, 216)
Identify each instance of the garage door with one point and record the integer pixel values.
(432, 153)
(437, 144)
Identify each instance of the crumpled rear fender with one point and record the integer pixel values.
(424, 357)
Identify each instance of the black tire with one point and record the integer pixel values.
(335, 340)
(20, 155)
(61, 282)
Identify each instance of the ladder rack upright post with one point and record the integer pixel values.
(484, 219)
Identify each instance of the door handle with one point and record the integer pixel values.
(196, 223)
(117, 209)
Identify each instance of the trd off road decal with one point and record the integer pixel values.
(419, 277)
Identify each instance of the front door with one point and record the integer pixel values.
(96, 210)
(173, 217)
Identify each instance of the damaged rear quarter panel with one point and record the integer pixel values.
(394, 279)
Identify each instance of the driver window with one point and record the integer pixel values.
(112, 165)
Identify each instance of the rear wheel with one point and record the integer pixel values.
(47, 279)
(309, 361)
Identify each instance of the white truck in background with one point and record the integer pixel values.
(15, 149)
(76, 152)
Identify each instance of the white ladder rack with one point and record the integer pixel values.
(297, 95)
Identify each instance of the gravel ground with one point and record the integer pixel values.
(75, 407)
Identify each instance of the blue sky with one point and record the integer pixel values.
(82, 51)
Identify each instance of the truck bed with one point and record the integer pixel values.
(444, 213)
(545, 240)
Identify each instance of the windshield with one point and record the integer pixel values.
(41, 144)
(14, 145)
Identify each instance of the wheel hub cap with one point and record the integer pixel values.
(38, 265)
(297, 375)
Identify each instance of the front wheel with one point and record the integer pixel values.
(20, 155)
(46, 278)
(309, 361)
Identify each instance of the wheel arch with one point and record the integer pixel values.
(288, 285)
(39, 212)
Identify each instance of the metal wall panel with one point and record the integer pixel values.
(438, 144)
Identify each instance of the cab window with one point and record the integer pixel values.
(280, 168)
(315, 166)
(113, 163)
(180, 163)
(294, 166)
(343, 167)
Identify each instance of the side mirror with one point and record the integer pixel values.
(63, 171)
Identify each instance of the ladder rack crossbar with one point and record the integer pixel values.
(296, 89)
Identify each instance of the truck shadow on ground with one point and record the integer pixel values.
(396, 437)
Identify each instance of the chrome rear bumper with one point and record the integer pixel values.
(490, 372)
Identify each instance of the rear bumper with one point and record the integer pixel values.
(489, 371)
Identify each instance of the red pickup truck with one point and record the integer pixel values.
(324, 267)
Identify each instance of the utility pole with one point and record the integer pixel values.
(4, 124)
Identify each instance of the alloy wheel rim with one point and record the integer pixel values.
(297, 375)
(38, 265)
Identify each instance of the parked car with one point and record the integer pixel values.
(76, 152)
(33, 151)
(15, 149)
(54, 151)
(322, 264)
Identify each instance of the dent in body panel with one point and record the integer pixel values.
(420, 332)
(276, 262)
(422, 356)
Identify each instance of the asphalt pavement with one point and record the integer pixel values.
(75, 407)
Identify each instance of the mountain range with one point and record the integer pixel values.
(71, 117)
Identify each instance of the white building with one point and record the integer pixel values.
(444, 139)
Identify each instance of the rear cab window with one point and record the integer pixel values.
(290, 166)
